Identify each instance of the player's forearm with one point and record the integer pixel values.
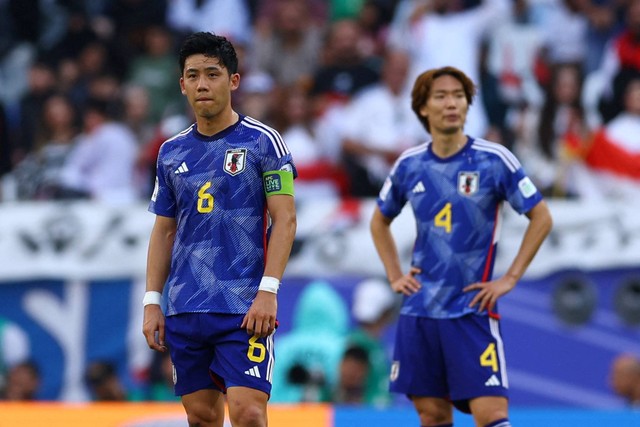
(283, 231)
(386, 247)
(159, 259)
(538, 229)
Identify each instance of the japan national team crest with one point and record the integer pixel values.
(234, 160)
(468, 183)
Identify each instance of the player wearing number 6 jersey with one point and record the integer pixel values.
(225, 224)
(448, 347)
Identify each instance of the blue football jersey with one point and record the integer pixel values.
(213, 187)
(457, 203)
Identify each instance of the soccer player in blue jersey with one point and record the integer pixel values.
(448, 348)
(225, 224)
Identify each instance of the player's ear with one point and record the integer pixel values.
(423, 111)
(184, 92)
(235, 81)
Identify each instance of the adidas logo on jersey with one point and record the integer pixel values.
(419, 188)
(182, 169)
(492, 381)
(254, 372)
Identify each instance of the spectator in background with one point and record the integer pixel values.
(256, 98)
(375, 18)
(514, 48)
(613, 156)
(352, 378)
(620, 63)
(42, 82)
(374, 309)
(101, 166)
(287, 43)
(344, 70)
(20, 29)
(318, 174)
(95, 72)
(624, 378)
(606, 19)
(79, 33)
(136, 106)
(68, 81)
(103, 382)
(136, 112)
(566, 26)
(549, 139)
(378, 126)
(38, 176)
(155, 70)
(14, 347)
(222, 17)
(159, 387)
(309, 355)
(440, 33)
(23, 382)
(125, 24)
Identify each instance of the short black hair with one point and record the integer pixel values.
(357, 353)
(98, 372)
(212, 46)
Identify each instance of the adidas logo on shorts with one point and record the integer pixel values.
(254, 372)
(492, 381)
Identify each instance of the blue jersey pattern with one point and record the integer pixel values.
(457, 204)
(213, 187)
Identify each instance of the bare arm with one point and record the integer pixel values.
(540, 224)
(261, 317)
(387, 251)
(158, 265)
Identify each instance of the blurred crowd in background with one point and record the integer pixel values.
(89, 90)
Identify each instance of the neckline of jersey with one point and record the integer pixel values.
(453, 157)
(224, 132)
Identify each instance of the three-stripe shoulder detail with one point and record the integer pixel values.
(410, 152)
(184, 132)
(502, 152)
(276, 140)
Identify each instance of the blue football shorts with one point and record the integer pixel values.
(455, 359)
(211, 351)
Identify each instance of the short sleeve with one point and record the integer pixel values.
(163, 200)
(391, 198)
(520, 191)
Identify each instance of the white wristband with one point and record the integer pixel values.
(151, 297)
(269, 284)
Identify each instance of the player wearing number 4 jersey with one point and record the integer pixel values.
(225, 223)
(448, 347)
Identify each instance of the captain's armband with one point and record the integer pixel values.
(278, 182)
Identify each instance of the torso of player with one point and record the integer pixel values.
(220, 208)
(456, 203)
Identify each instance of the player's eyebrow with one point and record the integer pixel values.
(457, 90)
(209, 68)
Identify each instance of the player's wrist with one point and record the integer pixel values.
(152, 297)
(269, 284)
